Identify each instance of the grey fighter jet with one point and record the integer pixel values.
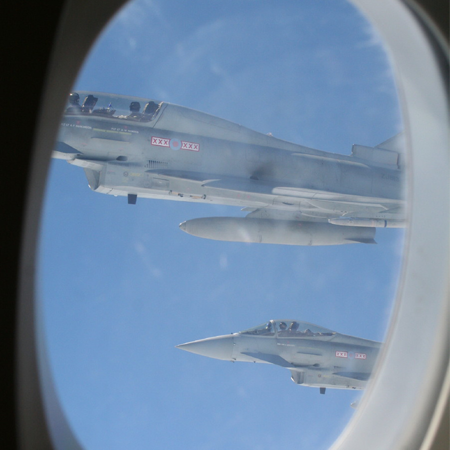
(292, 194)
(316, 356)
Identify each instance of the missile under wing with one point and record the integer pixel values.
(292, 195)
(316, 356)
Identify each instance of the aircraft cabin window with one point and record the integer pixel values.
(211, 208)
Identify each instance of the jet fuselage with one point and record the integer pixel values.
(316, 356)
(180, 154)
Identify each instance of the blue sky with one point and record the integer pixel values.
(122, 285)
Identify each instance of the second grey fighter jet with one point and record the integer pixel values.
(292, 194)
(316, 356)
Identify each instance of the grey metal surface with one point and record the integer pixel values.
(176, 153)
(316, 356)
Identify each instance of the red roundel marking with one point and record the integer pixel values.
(175, 144)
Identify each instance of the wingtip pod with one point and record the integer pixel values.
(270, 231)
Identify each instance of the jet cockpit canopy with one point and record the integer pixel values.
(113, 106)
(288, 328)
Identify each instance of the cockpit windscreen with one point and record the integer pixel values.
(288, 328)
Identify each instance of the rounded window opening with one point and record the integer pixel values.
(275, 142)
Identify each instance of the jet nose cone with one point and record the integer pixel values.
(220, 347)
(183, 227)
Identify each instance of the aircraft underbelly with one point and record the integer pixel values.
(317, 378)
(119, 179)
(138, 179)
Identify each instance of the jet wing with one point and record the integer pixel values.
(320, 196)
(293, 193)
(315, 212)
(293, 203)
(321, 200)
